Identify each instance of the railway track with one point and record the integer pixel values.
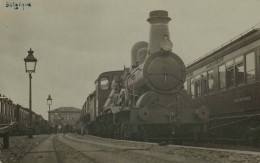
(63, 148)
(232, 144)
(202, 151)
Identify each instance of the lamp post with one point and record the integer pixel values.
(49, 102)
(30, 65)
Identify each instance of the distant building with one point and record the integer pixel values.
(64, 116)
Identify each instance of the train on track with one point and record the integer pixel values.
(227, 82)
(146, 101)
(10, 112)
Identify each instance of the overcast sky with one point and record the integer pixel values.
(76, 40)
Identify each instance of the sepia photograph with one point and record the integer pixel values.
(129, 81)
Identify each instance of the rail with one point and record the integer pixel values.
(226, 43)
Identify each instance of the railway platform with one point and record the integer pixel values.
(19, 146)
(77, 148)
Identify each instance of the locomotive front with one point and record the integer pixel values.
(155, 85)
(156, 67)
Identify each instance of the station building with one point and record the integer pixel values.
(64, 116)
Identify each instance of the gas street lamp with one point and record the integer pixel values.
(30, 65)
(49, 102)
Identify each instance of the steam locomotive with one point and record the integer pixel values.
(145, 101)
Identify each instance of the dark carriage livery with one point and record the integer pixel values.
(10, 112)
(226, 81)
(146, 101)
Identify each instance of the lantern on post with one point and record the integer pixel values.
(30, 66)
(49, 102)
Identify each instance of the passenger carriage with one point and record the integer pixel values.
(226, 81)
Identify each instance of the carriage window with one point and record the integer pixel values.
(1, 110)
(4, 112)
(210, 80)
(203, 86)
(250, 67)
(192, 87)
(197, 89)
(96, 99)
(185, 85)
(230, 77)
(222, 76)
(239, 59)
(197, 77)
(229, 63)
(240, 70)
(203, 75)
(104, 83)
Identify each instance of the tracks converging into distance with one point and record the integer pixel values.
(67, 148)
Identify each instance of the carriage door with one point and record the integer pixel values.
(203, 88)
(197, 91)
(200, 88)
(203, 81)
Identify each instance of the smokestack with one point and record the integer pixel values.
(159, 31)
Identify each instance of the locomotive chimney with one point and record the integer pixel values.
(159, 31)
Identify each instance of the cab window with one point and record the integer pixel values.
(104, 83)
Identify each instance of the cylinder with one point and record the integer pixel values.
(159, 30)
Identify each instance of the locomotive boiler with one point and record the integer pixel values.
(148, 100)
(156, 67)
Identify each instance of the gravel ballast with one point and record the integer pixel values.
(19, 147)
